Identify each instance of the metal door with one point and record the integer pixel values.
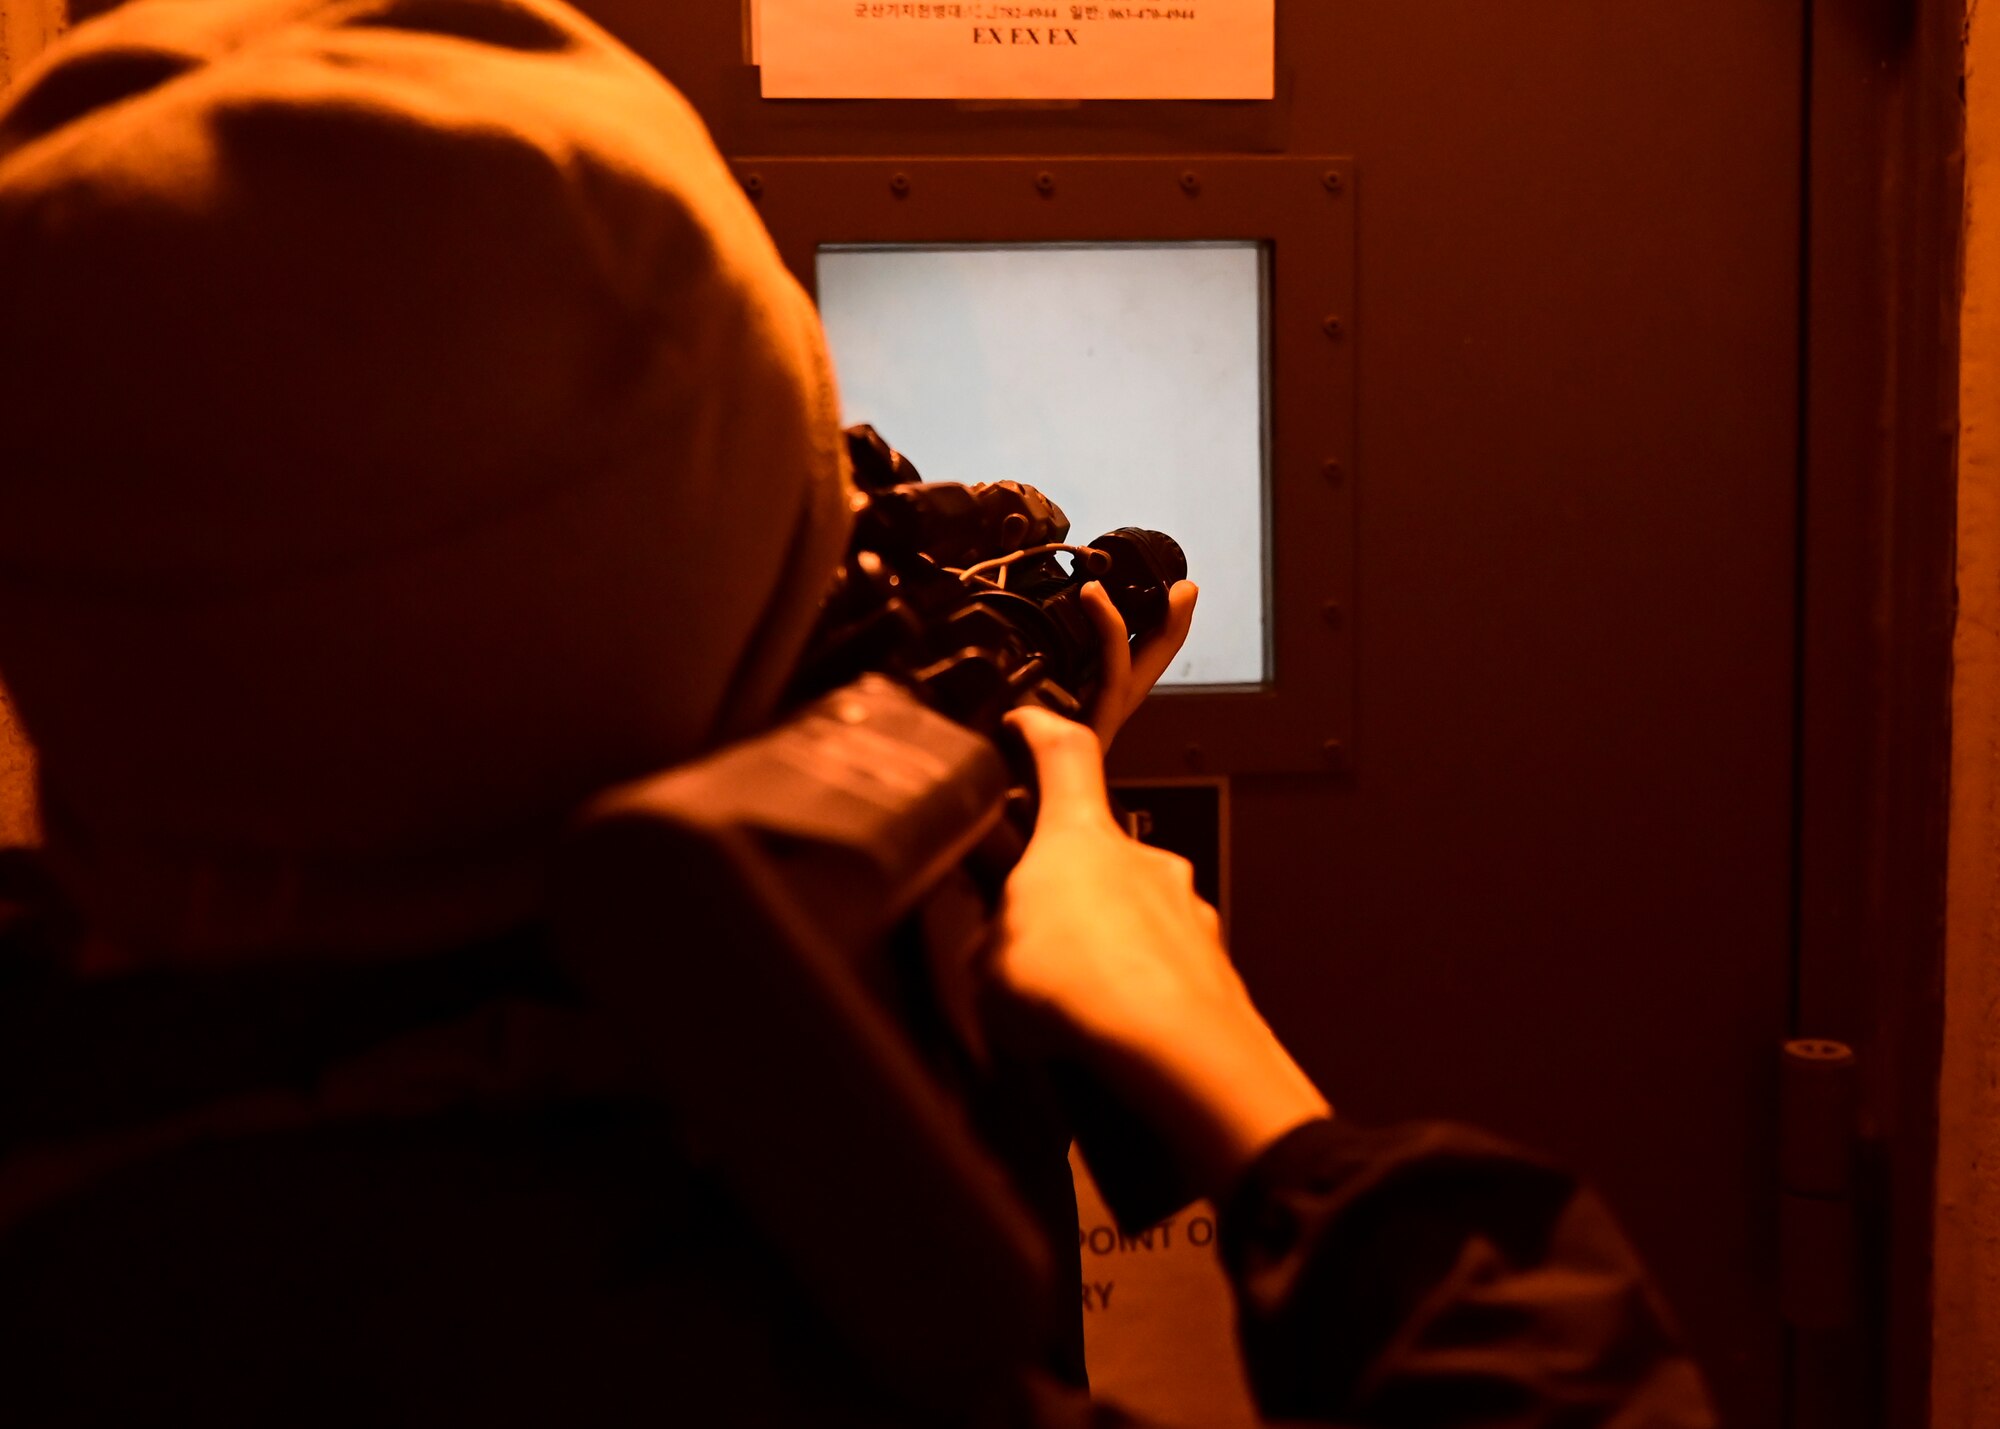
(1552, 892)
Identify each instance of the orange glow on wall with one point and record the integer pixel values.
(1966, 1369)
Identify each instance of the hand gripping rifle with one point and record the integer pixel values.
(791, 923)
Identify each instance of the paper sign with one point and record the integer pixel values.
(982, 49)
(1159, 1322)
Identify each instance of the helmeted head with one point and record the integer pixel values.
(406, 429)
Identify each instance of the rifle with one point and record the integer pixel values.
(792, 925)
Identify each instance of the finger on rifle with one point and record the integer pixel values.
(1157, 651)
(1069, 764)
(1114, 688)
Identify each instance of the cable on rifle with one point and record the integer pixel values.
(1096, 560)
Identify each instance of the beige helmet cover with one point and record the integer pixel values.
(406, 429)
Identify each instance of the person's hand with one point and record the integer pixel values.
(1106, 955)
(1128, 674)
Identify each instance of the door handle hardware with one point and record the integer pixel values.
(1818, 1228)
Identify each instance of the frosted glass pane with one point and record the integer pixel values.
(1124, 380)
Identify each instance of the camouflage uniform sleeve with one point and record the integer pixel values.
(1432, 1277)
